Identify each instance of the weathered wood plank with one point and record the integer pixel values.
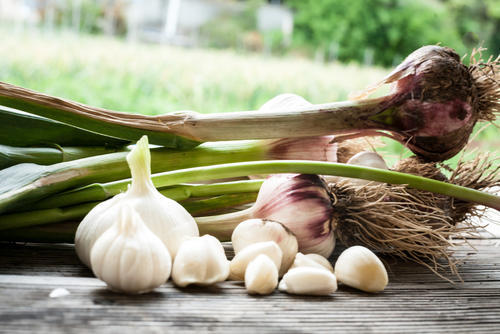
(415, 301)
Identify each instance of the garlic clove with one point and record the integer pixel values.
(241, 260)
(360, 268)
(261, 276)
(200, 261)
(308, 281)
(95, 223)
(258, 230)
(312, 260)
(163, 216)
(367, 159)
(129, 257)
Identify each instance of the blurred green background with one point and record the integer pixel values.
(158, 56)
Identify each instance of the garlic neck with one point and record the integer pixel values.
(139, 161)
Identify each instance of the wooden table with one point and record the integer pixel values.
(415, 300)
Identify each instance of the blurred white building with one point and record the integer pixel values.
(163, 21)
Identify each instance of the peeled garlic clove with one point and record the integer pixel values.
(129, 257)
(163, 216)
(241, 260)
(261, 276)
(200, 261)
(258, 230)
(312, 260)
(308, 281)
(367, 159)
(360, 268)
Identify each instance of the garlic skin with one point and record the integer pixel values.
(302, 203)
(308, 281)
(366, 159)
(261, 276)
(163, 216)
(312, 260)
(129, 257)
(285, 102)
(360, 268)
(239, 263)
(258, 230)
(200, 261)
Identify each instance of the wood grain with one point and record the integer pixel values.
(416, 301)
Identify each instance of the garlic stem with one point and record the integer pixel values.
(187, 129)
(304, 167)
(319, 167)
(77, 212)
(222, 226)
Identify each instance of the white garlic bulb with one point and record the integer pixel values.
(200, 261)
(129, 257)
(360, 268)
(258, 230)
(241, 260)
(164, 217)
(308, 281)
(312, 260)
(261, 276)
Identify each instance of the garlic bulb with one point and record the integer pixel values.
(360, 268)
(201, 261)
(302, 203)
(129, 257)
(261, 276)
(367, 159)
(164, 217)
(258, 230)
(308, 281)
(241, 260)
(312, 260)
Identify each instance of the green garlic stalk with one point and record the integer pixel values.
(28, 183)
(435, 102)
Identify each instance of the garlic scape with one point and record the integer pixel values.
(129, 257)
(200, 261)
(167, 219)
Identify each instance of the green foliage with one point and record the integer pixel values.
(478, 23)
(155, 79)
(390, 29)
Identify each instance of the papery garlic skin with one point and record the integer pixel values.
(360, 268)
(261, 276)
(163, 216)
(302, 203)
(252, 231)
(312, 260)
(241, 260)
(200, 261)
(308, 281)
(129, 257)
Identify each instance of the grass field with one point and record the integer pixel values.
(155, 79)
